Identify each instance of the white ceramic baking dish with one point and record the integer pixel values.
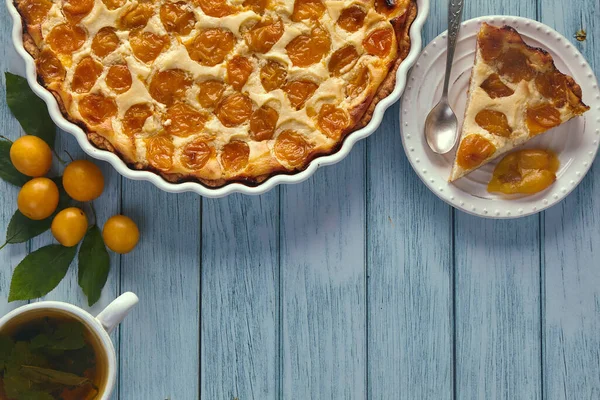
(123, 169)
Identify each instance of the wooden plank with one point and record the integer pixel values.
(323, 283)
(571, 285)
(11, 255)
(497, 292)
(240, 298)
(409, 268)
(107, 205)
(160, 339)
(410, 276)
(497, 308)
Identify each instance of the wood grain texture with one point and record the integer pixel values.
(240, 298)
(323, 283)
(497, 292)
(571, 266)
(497, 309)
(11, 255)
(160, 338)
(409, 276)
(107, 205)
(357, 284)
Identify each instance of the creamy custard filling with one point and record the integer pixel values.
(315, 131)
(514, 107)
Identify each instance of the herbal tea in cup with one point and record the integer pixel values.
(50, 350)
(49, 355)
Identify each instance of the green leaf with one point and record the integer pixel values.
(29, 109)
(40, 272)
(67, 336)
(94, 264)
(7, 170)
(21, 229)
(46, 375)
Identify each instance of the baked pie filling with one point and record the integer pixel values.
(218, 90)
(526, 171)
(516, 93)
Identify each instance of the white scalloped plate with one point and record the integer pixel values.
(575, 142)
(123, 169)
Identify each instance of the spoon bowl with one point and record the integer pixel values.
(441, 127)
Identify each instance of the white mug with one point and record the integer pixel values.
(100, 326)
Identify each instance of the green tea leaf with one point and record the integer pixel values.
(19, 387)
(94, 264)
(22, 355)
(15, 384)
(77, 361)
(29, 109)
(7, 170)
(46, 375)
(40, 272)
(6, 349)
(67, 336)
(36, 395)
(71, 335)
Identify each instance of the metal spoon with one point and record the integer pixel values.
(441, 125)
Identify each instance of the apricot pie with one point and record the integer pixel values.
(515, 93)
(218, 90)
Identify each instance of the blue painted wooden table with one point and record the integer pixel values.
(357, 284)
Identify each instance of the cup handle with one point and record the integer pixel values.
(116, 311)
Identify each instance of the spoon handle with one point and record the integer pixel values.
(454, 18)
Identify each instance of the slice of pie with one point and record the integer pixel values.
(516, 92)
